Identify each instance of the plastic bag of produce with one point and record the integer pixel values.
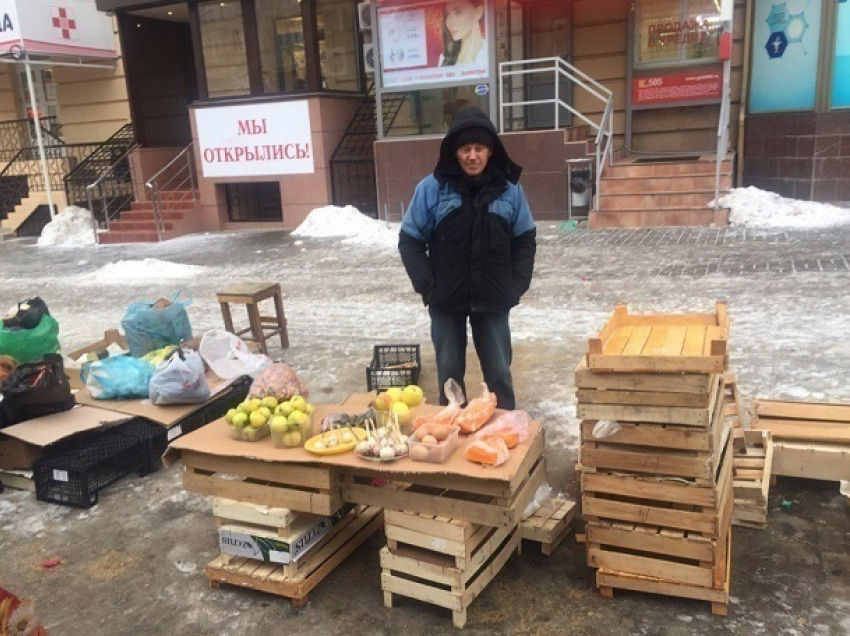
(449, 414)
(152, 325)
(229, 357)
(117, 378)
(490, 452)
(26, 314)
(512, 427)
(180, 380)
(278, 381)
(477, 412)
(25, 345)
(35, 389)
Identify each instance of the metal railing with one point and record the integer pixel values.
(112, 192)
(560, 69)
(20, 133)
(172, 180)
(723, 130)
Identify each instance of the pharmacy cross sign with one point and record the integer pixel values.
(64, 24)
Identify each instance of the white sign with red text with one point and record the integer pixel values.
(255, 140)
(56, 27)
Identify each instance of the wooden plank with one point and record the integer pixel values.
(715, 342)
(655, 414)
(803, 410)
(319, 477)
(694, 341)
(658, 364)
(616, 344)
(637, 341)
(675, 340)
(642, 398)
(635, 487)
(671, 463)
(657, 543)
(703, 522)
(827, 462)
(457, 532)
(624, 581)
(653, 435)
(14, 479)
(803, 430)
(484, 577)
(697, 383)
(421, 592)
(645, 566)
(420, 568)
(655, 343)
(548, 531)
(318, 503)
(243, 512)
(421, 540)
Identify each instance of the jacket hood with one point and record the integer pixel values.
(500, 163)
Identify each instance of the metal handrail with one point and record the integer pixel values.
(98, 183)
(560, 68)
(156, 188)
(722, 131)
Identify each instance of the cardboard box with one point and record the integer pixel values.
(23, 443)
(266, 545)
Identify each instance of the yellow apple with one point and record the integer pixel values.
(395, 393)
(412, 395)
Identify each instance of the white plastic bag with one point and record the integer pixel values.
(229, 357)
(605, 428)
(180, 380)
(545, 497)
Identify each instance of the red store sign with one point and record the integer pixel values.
(677, 88)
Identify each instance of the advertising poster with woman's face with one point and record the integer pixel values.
(434, 41)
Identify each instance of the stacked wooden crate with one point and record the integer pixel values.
(657, 485)
(751, 463)
(810, 439)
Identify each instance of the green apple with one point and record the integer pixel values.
(284, 408)
(298, 418)
(265, 411)
(240, 420)
(253, 404)
(257, 419)
(270, 402)
(298, 403)
(412, 395)
(292, 438)
(278, 424)
(309, 409)
(229, 417)
(395, 393)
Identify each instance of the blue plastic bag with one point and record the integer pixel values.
(180, 380)
(147, 328)
(117, 378)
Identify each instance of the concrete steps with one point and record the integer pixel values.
(661, 193)
(137, 225)
(27, 207)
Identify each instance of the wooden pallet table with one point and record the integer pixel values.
(549, 525)
(607, 581)
(695, 386)
(688, 343)
(442, 561)
(751, 475)
(296, 581)
(299, 488)
(810, 439)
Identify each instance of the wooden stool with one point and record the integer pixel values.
(261, 327)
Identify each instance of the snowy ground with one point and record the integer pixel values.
(790, 308)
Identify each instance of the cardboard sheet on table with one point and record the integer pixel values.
(165, 415)
(49, 429)
(213, 439)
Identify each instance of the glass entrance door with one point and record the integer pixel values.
(546, 34)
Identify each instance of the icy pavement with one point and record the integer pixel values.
(790, 309)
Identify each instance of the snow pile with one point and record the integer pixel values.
(751, 207)
(147, 269)
(349, 224)
(72, 226)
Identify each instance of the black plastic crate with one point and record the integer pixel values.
(153, 437)
(380, 375)
(76, 475)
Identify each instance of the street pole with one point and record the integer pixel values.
(39, 139)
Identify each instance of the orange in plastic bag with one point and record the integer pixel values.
(490, 452)
(512, 427)
(449, 414)
(477, 412)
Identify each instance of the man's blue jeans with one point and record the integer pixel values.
(491, 334)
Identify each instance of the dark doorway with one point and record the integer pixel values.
(161, 80)
(546, 34)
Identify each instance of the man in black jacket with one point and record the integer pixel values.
(468, 242)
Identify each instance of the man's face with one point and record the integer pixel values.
(473, 158)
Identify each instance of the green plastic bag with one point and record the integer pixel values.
(26, 345)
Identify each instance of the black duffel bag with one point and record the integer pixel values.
(26, 315)
(35, 389)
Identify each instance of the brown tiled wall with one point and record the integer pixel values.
(401, 163)
(800, 155)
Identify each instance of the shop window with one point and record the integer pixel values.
(786, 39)
(280, 30)
(223, 41)
(841, 65)
(430, 111)
(250, 202)
(338, 44)
(676, 32)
